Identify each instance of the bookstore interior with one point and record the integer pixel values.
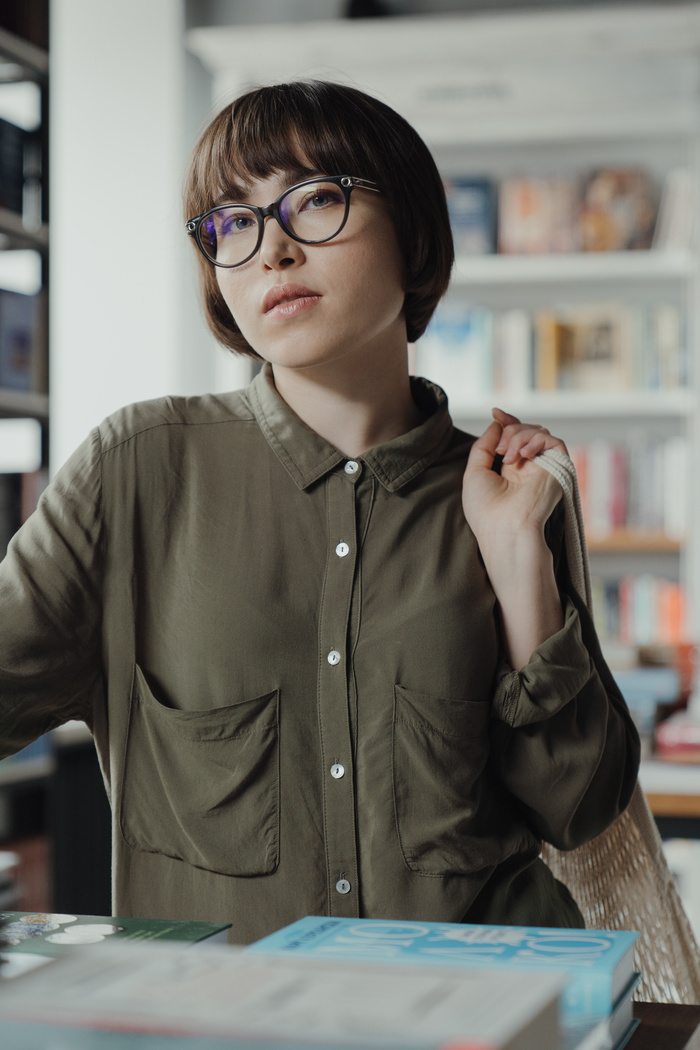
(568, 137)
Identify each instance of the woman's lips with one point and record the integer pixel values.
(288, 300)
(294, 306)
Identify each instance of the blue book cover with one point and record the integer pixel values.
(472, 208)
(599, 963)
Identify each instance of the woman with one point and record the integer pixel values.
(331, 658)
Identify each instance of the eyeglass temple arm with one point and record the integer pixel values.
(365, 184)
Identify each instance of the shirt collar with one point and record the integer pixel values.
(307, 456)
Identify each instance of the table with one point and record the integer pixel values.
(673, 793)
(666, 1027)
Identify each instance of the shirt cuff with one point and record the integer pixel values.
(556, 673)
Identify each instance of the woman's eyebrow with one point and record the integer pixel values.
(240, 194)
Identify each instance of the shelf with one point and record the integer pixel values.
(24, 403)
(25, 770)
(14, 234)
(568, 268)
(71, 734)
(671, 781)
(624, 541)
(569, 404)
(20, 60)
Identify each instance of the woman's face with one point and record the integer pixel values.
(301, 305)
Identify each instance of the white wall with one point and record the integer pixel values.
(125, 318)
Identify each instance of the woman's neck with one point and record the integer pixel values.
(353, 408)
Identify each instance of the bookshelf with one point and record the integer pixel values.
(23, 234)
(24, 244)
(638, 557)
(571, 268)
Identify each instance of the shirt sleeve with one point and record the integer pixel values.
(563, 739)
(50, 607)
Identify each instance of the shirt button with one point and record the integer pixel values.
(337, 771)
(342, 549)
(342, 886)
(333, 657)
(352, 467)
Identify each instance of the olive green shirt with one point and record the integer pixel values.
(290, 663)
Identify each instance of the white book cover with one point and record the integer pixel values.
(226, 992)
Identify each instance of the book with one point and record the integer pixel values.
(18, 340)
(676, 215)
(678, 738)
(645, 690)
(455, 351)
(471, 203)
(598, 964)
(596, 348)
(28, 939)
(227, 992)
(537, 215)
(610, 1032)
(547, 350)
(617, 210)
(12, 145)
(39, 750)
(513, 352)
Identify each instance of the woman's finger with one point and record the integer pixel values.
(483, 450)
(541, 443)
(504, 418)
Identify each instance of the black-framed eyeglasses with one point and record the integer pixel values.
(312, 212)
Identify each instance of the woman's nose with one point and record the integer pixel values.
(279, 251)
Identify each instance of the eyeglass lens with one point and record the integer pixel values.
(312, 213)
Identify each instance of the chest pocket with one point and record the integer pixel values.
(452, 816)
(203, 786)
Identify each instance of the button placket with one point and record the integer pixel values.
(333, 701)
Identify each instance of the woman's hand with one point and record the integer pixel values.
(522, 495)
(507, 512)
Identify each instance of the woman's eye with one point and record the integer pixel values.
(236, 223)
(321, 199)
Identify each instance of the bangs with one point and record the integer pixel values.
(276, 130)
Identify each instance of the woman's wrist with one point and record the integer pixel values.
(510, 553)
(521, 571)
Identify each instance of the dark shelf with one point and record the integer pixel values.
(23, 403)
(14, 234)
(32, 63)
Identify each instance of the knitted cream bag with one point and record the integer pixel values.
(620, 880)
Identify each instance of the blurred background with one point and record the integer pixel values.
(568, 135)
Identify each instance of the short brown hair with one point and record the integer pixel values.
(339, 131)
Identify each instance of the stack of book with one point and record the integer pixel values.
(321, 982)
(257, 1000)
(597, 965)
(636, 485)
(612, 208)
(640, 610)
(471, 350)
